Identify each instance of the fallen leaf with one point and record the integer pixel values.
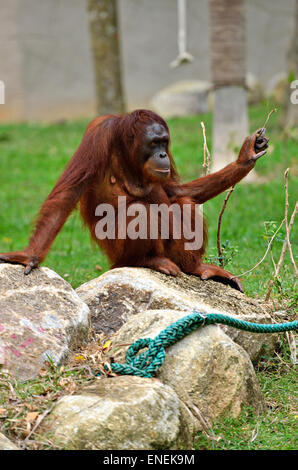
(71, 387)
(3, 412)
(80, 358)
(107, 344)
(68, 384)
(31, 416)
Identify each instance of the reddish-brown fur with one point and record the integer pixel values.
(106, 166)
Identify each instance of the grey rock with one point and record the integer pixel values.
(205, 368)
(124, 413)
(6, 444)
(117, 295)
(182, 98)
(41, 317)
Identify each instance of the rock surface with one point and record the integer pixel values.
(41, 317)
(123, 413)
(117, 295)
(182, 98)
(6, 444)
(206, 367)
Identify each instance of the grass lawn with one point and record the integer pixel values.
(33, 155)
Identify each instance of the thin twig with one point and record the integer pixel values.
(282, 360)
(286, 223)
(203, 421)
(271, 253)
(267, 119)
(255, 432)
(207, 157)
(219, 248)
(272, 258)
(12, 390)
(282, 254)
(286, 243)
(266, 252)
(39, 421)
(292, 345)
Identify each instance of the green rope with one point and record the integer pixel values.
(146, 363)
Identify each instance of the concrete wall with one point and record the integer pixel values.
(10, 62)
(45, 60)
(149, 43)
(46, 63)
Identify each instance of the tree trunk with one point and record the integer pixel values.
(106, 55)
(291, 103)
(230, 120)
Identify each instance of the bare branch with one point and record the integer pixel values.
(292, 345)
(286, 224)
(207, 157)
(268, 117)
(266, 252)
(203, 421)
(219, 248)
(287, 240)
(271, 253)
(39, 421)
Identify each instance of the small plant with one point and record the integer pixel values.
(228, 252)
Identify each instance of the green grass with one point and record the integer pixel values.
(32, 157)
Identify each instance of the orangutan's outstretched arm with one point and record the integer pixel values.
(209, 186)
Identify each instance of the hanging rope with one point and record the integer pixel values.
(183, 57)
(146, 363)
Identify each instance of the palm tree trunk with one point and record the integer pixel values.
(230, 120)
(103, 26)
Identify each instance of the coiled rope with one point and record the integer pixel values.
(146, 363)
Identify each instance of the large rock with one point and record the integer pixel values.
(41, 317)
(206, 367)
(117, 295)
(123, 413)
(182, 98)
(6, 444)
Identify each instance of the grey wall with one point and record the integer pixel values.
(10, 62)
(46, 64)
(45, 60)
(149, 43)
